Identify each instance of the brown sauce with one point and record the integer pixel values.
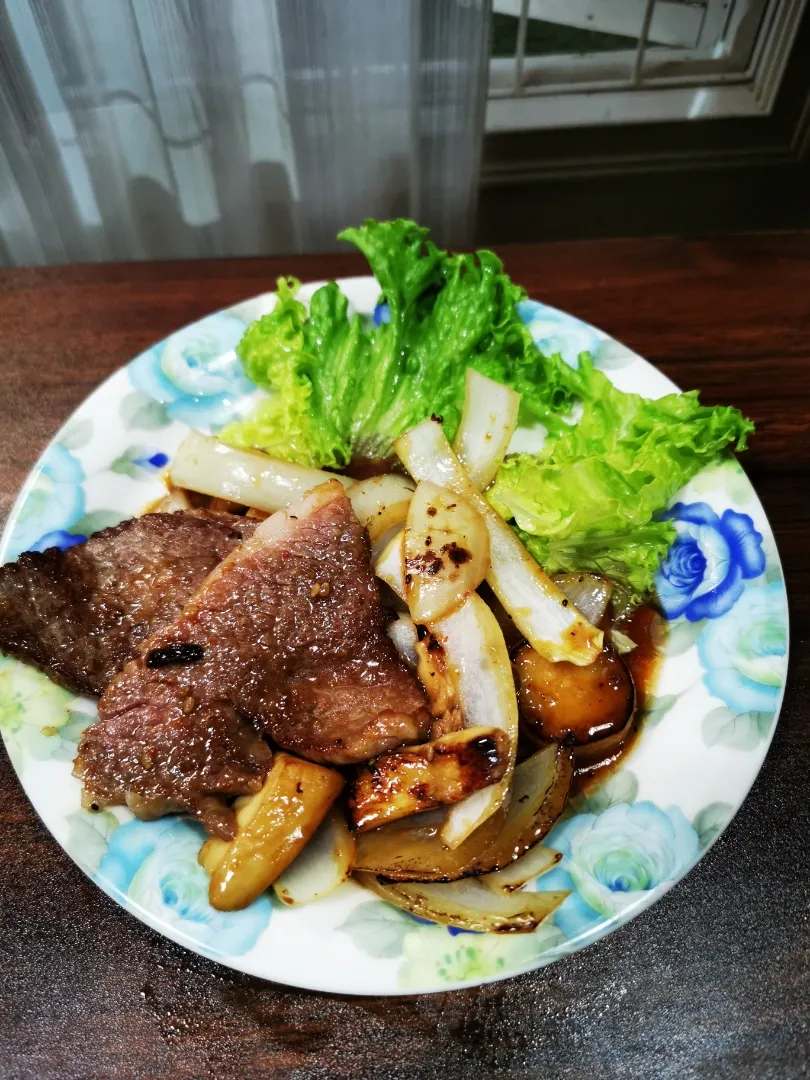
(154, 506)
(646, 627)
(361, 468)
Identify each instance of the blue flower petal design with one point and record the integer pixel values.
(574, 916)
(745, 652)
(554, 331)
(612, 859)
(382, 314)
(745, 542)
(713, 604)
(155, 460)
(58, 538)
(55, 503)
(154, 864)
(196, 373)
(139, 462)
(703, 574)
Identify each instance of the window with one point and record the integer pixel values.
(564, 63)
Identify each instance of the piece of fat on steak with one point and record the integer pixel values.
(287, 632)
(81, 614)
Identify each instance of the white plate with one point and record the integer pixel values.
(718, 696)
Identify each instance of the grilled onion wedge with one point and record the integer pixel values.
(417, 853)
(272, 827)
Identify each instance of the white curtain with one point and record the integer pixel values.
(143, 129)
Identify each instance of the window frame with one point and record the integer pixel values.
(596, 93)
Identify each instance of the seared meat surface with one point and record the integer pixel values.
(81, 614)
(288, 632)
(159, 757)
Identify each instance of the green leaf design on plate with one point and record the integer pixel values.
(740, 731)
(123, 465)
(77, 434)
(33, 711)
(620, 787)
(711, 820)
(89, 836)
(725, 474)
(70, 733)
(432, 953)
(139, 462)
(612, 355)
(378, 929)
(138, 410)
(678, 637)
(95, 521)
(773, 572)
(658, 709)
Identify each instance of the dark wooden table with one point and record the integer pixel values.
(714, 981)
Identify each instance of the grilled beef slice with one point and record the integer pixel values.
(289, 632)
(81, 614)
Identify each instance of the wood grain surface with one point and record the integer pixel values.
(714, 981)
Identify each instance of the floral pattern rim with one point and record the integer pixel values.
(622, 845)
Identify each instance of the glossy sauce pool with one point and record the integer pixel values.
(647, 628)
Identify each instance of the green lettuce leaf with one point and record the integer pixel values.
(631, 556)
(588, 499)
(341, 389)
(279, 353)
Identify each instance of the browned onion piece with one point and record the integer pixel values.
(589, 593)
(437, 773)
(468, 905)
(537, 798)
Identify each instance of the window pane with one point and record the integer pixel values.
(571, 43)
(724, 46)
(545, 38)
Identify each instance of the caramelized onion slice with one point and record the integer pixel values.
(381, 502)
(479, 667)
(246, 477)
(446, 553)
(473, 660)
(537, 860)
(272, 827)
(414, 778)
(403, 634)
(540, 610)
(389, 565)
(417, 853)
(589, 593)
(174, 499)
(324, 864)
(468, 905)
(487, 424)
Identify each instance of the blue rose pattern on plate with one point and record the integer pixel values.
(745, 652)
(712, 556)
(195, 373)
(154, 864)
(611, 860)
(555, 332)
(54, 505)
